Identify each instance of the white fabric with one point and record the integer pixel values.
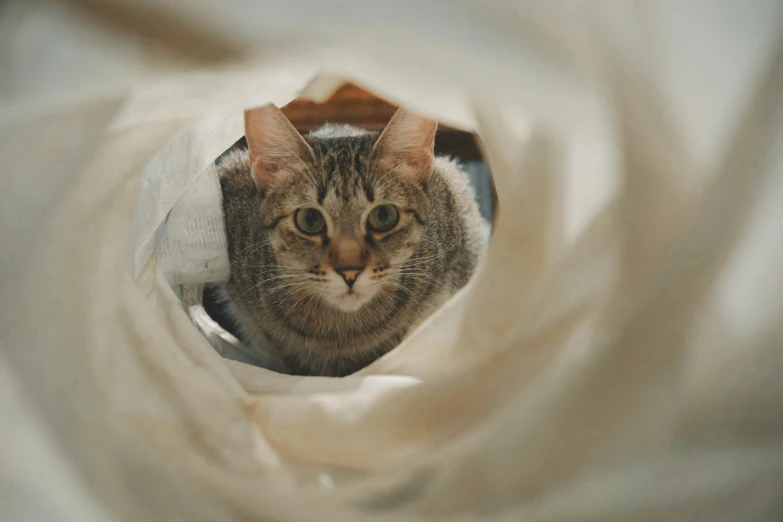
(193, 247)
(617, 358)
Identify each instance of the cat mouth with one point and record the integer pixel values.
(350, 300)
(351, 296)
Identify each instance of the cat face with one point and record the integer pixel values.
(343, 209)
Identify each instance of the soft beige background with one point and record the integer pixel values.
(618, 358)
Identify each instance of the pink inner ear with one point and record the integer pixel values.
(408, 140)
(276, 148)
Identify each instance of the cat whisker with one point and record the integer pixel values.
(255, 286)
(254, 246)
(303, 298)
(287, 285)
(293, 285)
(285, 267)
(395, 287)
(441, 251)
(417, 280)
(414, 273)
(417, 261)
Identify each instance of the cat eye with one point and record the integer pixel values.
(383, 218)
(309, 221)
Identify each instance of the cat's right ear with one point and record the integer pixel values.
(276, 148)
(407, 145)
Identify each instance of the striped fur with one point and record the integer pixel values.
(278, 277)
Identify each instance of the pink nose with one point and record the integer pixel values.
(349, 274)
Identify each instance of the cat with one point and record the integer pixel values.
(343, 240)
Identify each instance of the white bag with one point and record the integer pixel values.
(617, 358)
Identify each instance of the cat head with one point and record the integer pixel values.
(343, 208)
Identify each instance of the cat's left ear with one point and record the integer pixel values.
(407, 145)
(277, 150)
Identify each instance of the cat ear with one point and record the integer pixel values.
(407, 145)
(276, 147)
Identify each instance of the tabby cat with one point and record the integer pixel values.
(343, 240)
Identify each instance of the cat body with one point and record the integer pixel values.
(343, 240)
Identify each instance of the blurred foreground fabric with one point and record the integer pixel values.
(618, 358)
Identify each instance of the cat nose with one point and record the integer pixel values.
(349, 274)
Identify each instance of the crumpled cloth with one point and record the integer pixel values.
(617, 358)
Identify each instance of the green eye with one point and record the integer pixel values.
(309, 221)
(383, 218)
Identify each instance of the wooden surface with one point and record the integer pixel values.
(355, 106)
(349, 104)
